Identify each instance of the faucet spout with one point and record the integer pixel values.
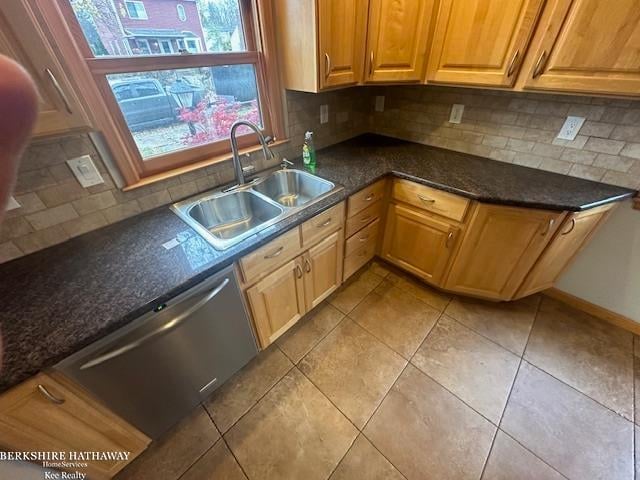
(237, 164)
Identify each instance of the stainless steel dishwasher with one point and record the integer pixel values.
(155, 370)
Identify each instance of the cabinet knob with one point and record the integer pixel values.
(274, 254)
(426, 200)
(49, 396)
(298, 271)
(307, 265)
(449, 238)
(324, 224)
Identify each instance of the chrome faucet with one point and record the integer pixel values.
(237, 165)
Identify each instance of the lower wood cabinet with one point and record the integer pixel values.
(323, 269)
(279, 294)
(277, 301)
(500, 246)
(569, 239)
(418, 243)
(47, 414)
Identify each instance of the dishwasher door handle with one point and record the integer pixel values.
(170, 325)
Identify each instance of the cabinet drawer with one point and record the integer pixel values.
(365, 197)
(322, 224)
(363, 218)
(354, 261)
(272, 255)
(430, 199)
(363, 236)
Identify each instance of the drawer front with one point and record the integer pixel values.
(365, 197)
(271, 256)
(363, 218)
(322, 224)
(368, 233)
(355, 261)
(430, 199)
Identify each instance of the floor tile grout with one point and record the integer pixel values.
(236, 458)
(515, 378)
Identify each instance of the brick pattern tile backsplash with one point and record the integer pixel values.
(54, 207)
(520, 128)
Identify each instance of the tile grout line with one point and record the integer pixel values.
(234, 456)
(535, 318)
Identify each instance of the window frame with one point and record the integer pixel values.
(137, 4)
(180, 8)
(257, 23)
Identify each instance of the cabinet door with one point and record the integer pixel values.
(398, 40)
(277, 301)
(418, 243)
(499, 248)
(571, 237)
(481, 42)
(22, 39)
(42, 414)
(588, 46)
(323, 269)
(342, 25)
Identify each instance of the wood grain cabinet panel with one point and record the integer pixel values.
(589, 46)
(277, 301)
(398, 40)
(321, 43)
(499, 248)
(418, 243)
(22, 39)
(341, 40)
(568, 241)
(323, 269)
(66, 421)
(481, 42)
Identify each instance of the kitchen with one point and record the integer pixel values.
(440, 282)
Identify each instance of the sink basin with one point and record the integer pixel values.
(293, 188)
(230, 217)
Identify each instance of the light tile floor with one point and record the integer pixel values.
(390, 379)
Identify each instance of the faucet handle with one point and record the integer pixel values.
(269, 139)
(285, 163)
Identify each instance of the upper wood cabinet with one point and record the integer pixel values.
(321, 42)
(22, 39)
(499, 248)
(45, 414)
(342, 25)
(569, 239)
(481, 42)
(590, 46)
(398, 40)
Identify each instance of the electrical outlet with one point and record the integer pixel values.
(571, 127)
(456, 113)
(12, 204)
(342, 117)
(85, 171)
(324, 113)
(379, 103)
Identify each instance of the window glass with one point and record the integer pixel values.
(117, 27)
(182, 14)
(190, 107)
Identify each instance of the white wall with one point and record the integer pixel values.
(607, 271)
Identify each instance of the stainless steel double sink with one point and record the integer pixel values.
(225, 218)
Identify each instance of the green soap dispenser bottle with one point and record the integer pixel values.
(308, 151)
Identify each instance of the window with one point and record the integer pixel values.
(136, 10)
(182, 15)
(193, 45)
(161, 110)
(166, 46)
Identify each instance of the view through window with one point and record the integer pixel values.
(168, 102)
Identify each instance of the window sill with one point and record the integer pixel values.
(195, 166)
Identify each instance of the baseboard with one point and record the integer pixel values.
(592, 309)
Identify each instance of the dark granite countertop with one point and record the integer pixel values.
(61, 299)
